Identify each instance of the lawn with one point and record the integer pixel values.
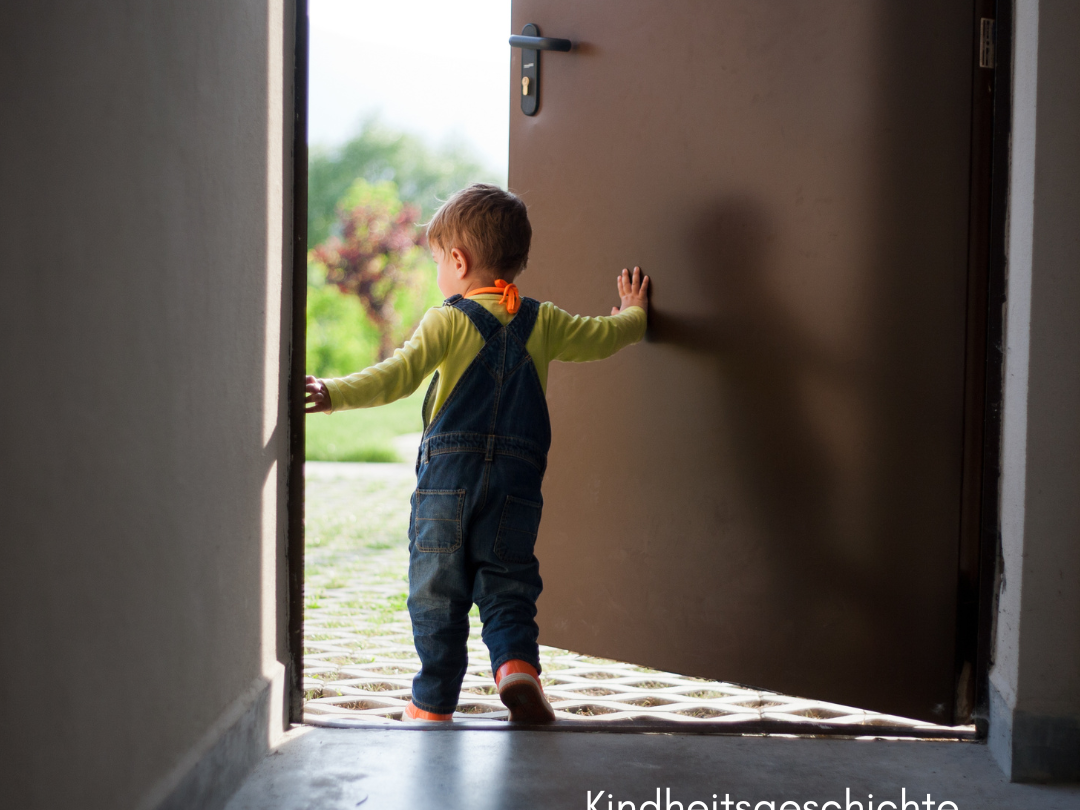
(365, 434)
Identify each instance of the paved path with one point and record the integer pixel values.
(359, 656)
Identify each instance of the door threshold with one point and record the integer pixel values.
(771, 728)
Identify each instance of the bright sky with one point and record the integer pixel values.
(436, 68)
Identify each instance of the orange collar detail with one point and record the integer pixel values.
(510, 298)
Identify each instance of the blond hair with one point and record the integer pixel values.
(491, 224)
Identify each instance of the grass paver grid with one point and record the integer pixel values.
(359, 658)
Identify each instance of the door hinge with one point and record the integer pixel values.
(986, 43)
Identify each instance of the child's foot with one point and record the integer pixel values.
(414, 714)
(520, 691)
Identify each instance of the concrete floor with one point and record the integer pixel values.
(333, 769)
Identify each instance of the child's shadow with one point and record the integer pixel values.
(786, 455)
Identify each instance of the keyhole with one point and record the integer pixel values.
(524, 85)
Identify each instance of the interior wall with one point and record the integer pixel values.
(142, 435)
(1035, 680)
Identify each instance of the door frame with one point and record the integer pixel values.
(294, 549)
(979, 552)
(978, 577)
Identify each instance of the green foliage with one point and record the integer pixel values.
(423, 175)
(378, 254)
(340, 338)
(365, 434)
(364, 193)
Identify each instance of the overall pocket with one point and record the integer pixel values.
(517, 530)
(437, 519)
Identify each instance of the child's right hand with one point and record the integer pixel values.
(633, 290)
(316, 397)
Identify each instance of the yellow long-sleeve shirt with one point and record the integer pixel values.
(447, 341)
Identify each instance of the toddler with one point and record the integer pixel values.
(477, 504)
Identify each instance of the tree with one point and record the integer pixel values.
(423, 176)
(378, 255)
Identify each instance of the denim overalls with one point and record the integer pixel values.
(476, 510)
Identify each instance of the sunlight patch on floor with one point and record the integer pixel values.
(359, 658)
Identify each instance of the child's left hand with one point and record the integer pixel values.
(633, 291)
(316, 397)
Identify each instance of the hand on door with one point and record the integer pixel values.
(633, 290)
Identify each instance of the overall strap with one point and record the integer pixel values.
(522, 324)
(486, 323)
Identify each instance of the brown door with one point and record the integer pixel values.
(767, 491)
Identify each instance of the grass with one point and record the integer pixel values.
(365, 434)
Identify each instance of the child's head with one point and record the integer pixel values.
(488, 227)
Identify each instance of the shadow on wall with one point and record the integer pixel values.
(139, 497)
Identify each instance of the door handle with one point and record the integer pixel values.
(540, 43)
(531, 43)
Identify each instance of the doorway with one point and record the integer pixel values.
(371, 687)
